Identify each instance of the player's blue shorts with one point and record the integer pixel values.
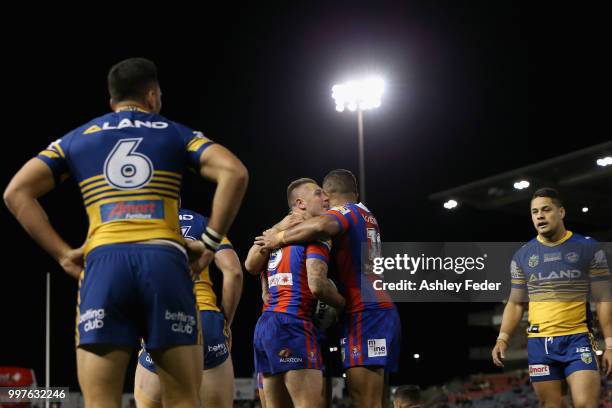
(283, 342)
(555, 358)
(372, 338)
(133, 291)
(215, 344)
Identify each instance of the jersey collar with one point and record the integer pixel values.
(132, 108)
(567, 236)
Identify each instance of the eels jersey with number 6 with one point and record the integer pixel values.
(129, 167)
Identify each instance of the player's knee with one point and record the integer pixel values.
(549, 402)
(583, 401)
(364, 397)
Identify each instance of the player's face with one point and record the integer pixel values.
(315, 200)
(546, 216)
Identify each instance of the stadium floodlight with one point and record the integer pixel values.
(362, 94)
(521, 185)
(605, 161)
(359, 96)
(450, 204)
(585, 209)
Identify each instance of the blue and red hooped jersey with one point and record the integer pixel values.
(359, 231)
(129, 167)
(288, 278)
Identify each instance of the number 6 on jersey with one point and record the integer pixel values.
(125, 169)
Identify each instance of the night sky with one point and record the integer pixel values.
(473, 89)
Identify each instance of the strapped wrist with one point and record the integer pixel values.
(212, 239)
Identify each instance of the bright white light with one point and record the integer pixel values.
(585, 209)
(417, 356)
(521, 185)
(333, 349)
(363, 94)
(450, 204)
(604, 161)
(344, 375)
(340, 108)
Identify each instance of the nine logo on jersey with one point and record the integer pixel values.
(377, 347)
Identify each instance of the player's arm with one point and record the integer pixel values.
(256, 259)
(601, 293)
(320, 286)
(220, 165)
(265, 292)
(289, 221)
(604, 312)
(322, 227)
(513, 313)
(228, 263)
(32, 181)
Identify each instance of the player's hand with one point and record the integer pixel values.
(199, 256)
(194, 248)
(227, 331)
(269, 240)
(499, 353)
(72, 262)
(202, 262)
(289, 221)
(606, 360)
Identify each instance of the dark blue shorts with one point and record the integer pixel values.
(283, 342)
(372, 338)
(215, 338)
(134, 291)
(555, 358)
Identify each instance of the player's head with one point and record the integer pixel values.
(306, 196)
(341, 186)
(135, 80)
(547, 212)
(407, 396)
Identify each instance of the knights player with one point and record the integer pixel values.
(285, 344)
(372, 329)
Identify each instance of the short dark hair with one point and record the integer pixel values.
(550, 193)
(295, 184)
(340, 181)
(408, 393)
(131, 79)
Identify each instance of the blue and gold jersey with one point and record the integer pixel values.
(558, 278)
(129, 167)
(193, 225)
